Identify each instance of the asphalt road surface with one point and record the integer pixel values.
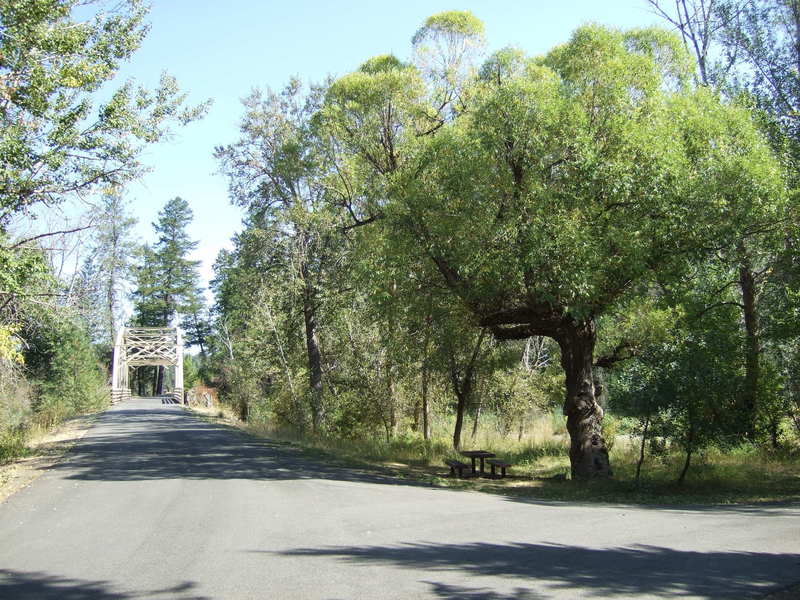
(155, 503)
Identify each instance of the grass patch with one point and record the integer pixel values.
(744, 475)
(13, 445)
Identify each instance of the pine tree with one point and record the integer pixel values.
(147, 297)
(168, 283)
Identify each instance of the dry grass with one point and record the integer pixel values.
(44, 448)
(541, 465)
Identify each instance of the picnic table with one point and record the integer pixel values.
(477, 454)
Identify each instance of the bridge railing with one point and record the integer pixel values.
(120, 394)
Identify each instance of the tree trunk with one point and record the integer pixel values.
(112, 284)
(462, 402)
(426, 425)
(464, 385)
(159, 381)
(588, 454)
(689, 450)
(391, 401)
(774, 432)
(475, 421)
(640, 462)
(752, 373)
(314, 359)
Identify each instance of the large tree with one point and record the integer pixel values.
(757, 45)
(168, 282)
(276, 173)
(108, 268)
(56, 140)
(558, 188)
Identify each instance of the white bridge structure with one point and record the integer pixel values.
(146, 346)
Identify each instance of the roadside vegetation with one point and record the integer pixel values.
(585, 262)
(742, 475)
(71, 140)
(455, 242)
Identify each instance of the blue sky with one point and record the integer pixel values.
(221, 50)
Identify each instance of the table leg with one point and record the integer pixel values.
(473, 464)
(481, 466)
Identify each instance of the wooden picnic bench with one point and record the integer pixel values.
(456, 465)
(474, 455)
(498, 464)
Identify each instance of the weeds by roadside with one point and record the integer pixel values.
(541, 467)
(42, 447)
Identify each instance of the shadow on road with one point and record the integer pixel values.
(137, 441)
(766, 509)
(167, 443)
(632, 571)
(21, 585)
(458, 592)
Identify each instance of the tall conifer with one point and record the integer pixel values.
(168, 282)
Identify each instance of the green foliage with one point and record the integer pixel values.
(277, 171)
(519, 395)
(108, 268)
(453, 22)
(54, 139)
(22, 268)
(747, 49)
(505, 64)
(15, 409)
(687, 388)
(10, 344)
(191, 371)
(563, 216)
(66, 379)
(399, 210)
(382, 64)
(167, 281)
(75, 382)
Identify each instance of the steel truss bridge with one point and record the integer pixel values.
(146, 346)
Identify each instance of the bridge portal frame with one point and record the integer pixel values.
(146, 346)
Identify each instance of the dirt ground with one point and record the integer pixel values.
(46, 450)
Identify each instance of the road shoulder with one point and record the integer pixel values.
(47, 450)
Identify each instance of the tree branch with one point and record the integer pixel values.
(623, 351)
(717, 305)
(49, 234)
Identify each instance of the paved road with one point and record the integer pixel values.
(154, 503)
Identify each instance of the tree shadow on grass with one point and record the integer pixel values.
(21, 585)
(630, 571)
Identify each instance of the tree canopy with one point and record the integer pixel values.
(561, 186)
(57, 138)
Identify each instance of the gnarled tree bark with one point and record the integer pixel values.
(588, 454)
